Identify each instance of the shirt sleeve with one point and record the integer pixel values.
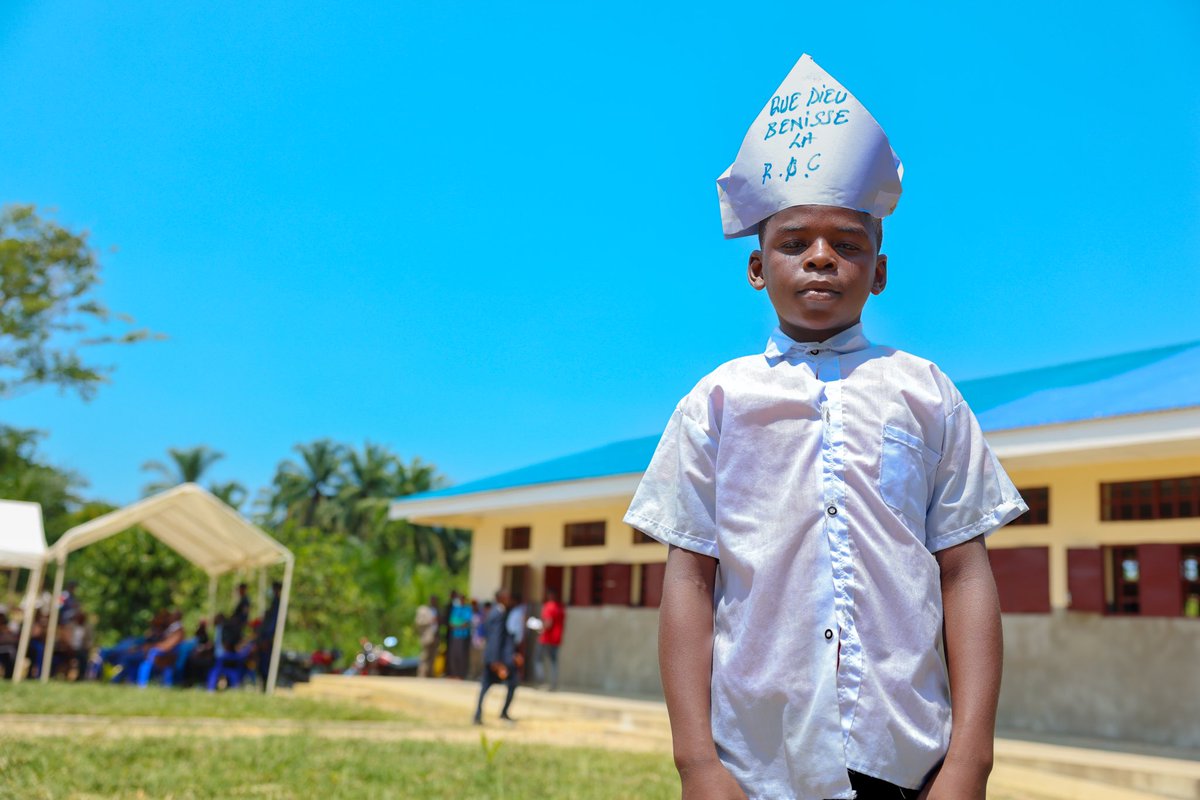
(676, 500)
(972, 494)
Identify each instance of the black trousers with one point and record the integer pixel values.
(869, 788)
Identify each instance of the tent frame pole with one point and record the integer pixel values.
(31, 590)
(212, 603)
(52, 629)
(260, 601)
(280, 622)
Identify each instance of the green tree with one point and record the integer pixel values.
(187, 465)
(305, 492)
(232, 493)
(369, 484)
(24, 475)
(48, 308)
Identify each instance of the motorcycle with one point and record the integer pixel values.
(373, 659)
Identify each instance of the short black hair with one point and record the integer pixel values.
(878, 231)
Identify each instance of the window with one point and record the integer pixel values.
(516, 538)
(641, 538)
(1190, 572)
(1154, 580)
(1038, 500)
(1165, 498)
(652, 584)
(583, 534)
(1022, 579)
(601, 584)
(1127, 576)
(515, 578)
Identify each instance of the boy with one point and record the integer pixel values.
(825, 504)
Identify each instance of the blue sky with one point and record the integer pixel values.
(487, 234)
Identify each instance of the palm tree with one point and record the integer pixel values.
(370, 484)
(303, 490)
(232, 493)
(187, 466)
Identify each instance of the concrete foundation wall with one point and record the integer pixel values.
(611, 649)
(1065, 674)
(1102, 677)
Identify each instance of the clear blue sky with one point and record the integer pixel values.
(487, 233)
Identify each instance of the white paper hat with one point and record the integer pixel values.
(812, 144)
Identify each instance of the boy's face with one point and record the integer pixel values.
(819, 264)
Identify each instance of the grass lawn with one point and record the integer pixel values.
(56, 697)
(49, 766)
(302, 766)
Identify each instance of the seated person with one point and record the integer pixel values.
(162, 654)
(8, 646)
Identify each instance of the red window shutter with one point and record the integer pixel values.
(652, 583)
(581, 585)
(1161, 590)
(552, 579)
(618, 582)
(1022, 579)
(1085, 579)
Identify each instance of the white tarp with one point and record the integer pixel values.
(198, 526)
(22, 541)
(190, 521)
(23, 545)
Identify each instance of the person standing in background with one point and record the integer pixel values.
(554, 618)
(427, 634)
(459, 650)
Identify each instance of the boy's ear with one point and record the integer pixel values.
(754, 271)
(880, 282)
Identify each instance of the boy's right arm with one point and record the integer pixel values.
(685, 644)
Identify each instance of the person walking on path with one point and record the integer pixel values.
(554, 619)
(458, 652)
(427, 635)
(499, 664)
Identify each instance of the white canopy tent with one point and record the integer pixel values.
(23, 546)
(199, 527)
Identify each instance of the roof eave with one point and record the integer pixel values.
(452, 509)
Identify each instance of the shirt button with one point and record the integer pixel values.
(831, 511)
(828, 634)
(814, 352)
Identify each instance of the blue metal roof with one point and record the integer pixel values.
(1131, 383)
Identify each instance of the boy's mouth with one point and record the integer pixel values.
(819, 293)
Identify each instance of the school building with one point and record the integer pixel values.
(1099, 582)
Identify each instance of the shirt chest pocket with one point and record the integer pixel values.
(905, 468)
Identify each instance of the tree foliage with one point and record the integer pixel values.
(189, 465)
(25, 475)
(49, 311)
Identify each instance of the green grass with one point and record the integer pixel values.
(303, 766)
(100, 699)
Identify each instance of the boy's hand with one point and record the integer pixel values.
(950, 782)
(709, 781)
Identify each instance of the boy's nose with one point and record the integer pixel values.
(819, 255)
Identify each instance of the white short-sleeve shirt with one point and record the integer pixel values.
(824, 477)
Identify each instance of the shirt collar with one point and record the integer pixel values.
(848, 341)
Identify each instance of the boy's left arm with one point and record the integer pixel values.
(974, 651)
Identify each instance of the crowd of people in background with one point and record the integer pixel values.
(492, 641)
(235, 649)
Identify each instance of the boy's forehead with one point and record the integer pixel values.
(811, 215)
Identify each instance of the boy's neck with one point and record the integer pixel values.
(806, 335)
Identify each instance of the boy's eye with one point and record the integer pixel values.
(848, 246)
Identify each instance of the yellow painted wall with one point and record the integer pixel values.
(1075, 513)
(1074, 522)
(546, 544)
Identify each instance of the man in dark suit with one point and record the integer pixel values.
(499, 663)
